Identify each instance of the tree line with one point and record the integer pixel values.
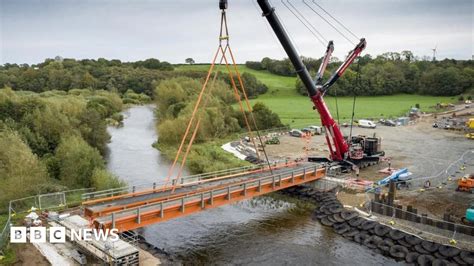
(386, 74)
(53, 141)
(140, 77)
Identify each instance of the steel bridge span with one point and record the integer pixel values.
(128, 211)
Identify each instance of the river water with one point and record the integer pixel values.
(267, 230)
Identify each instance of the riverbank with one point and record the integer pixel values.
(270, 229)
(198, 160)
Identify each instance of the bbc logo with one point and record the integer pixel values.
(18, 234)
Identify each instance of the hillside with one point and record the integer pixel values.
(296, 110)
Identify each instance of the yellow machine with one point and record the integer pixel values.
(470, 128)
(470, 123)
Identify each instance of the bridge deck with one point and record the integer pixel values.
(130, 211)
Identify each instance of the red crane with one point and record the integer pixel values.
(362, 150)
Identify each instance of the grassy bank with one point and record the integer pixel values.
(205, 157)
(296, 110)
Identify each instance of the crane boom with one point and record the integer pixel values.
(337, 144)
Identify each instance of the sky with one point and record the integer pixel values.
(173, 30)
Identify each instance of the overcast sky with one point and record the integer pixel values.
(172, 30)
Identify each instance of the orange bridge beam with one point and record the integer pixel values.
(214, 197)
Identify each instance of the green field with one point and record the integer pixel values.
(296, 110)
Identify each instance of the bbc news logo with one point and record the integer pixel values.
(18, 234)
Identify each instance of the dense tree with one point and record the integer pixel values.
(93, 129)
(392, 73)
(77, 162)
(264, 117)
(55, 135)
(101, 74)
(254, 65)
(450, 81)
(189, 60)
(253, 86)
(279, 67)
(21, 172)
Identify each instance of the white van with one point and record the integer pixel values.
(317, 130)
(367, 124)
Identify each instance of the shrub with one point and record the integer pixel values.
(77, 162)
(102, 179)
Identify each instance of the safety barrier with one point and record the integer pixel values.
(441, 178)
(5, 233)
(409, 213)
(19, 208)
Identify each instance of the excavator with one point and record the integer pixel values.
(351, 152)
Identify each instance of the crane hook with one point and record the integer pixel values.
(222, 4)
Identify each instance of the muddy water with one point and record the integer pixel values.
(263, 231)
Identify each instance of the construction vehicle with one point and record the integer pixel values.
(343, 151)
(466, 184)
(469, 218)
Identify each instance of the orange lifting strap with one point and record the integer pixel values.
(222, 50)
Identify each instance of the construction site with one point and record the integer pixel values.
(392, 191)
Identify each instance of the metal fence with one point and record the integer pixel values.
(5, 233)
(443, 230)
(445, 175)
(19, 208)
(440, 179)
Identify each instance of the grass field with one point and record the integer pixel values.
(296, 110)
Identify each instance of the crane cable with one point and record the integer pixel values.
(338, 22)
(247, 102)
(314, 31)
(354, 100)
(236, 93)
(196, 106)
(183, 161)
(196, 128)
(330, 24)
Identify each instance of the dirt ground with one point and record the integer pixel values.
(27, 254)
(424, 150)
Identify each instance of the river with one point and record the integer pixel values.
(262, 231)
